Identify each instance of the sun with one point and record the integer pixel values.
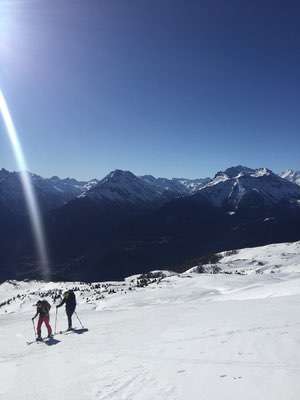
(8, 13)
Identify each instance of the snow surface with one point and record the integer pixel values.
(234, 335)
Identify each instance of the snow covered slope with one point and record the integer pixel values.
(273, 258)
(292, 176)
(182, 337)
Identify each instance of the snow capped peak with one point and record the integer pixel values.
(122, 187)
(287, 173)
(242, 185)
(262, 172)
(239, 171)
(233, 172)
(291, 175)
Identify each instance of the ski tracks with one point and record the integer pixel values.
(137, 382)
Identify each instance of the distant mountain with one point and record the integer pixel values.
(123, 224)
(181, 186)
(244, 187)
(91, 220)
(292, 176)
(52, 192)
(240, 207)
(69, 186)
(193, 185)
(123, 187)
(117, 187)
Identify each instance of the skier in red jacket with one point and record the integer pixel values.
(42, 309)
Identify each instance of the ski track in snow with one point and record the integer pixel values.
(189, 337)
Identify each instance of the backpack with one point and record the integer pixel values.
(45, 307)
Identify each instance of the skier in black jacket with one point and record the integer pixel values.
(69, 300)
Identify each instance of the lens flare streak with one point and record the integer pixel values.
(29, 193)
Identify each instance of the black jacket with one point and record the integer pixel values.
(69, 300)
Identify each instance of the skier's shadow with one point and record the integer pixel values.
(80, 331)
(52, 342)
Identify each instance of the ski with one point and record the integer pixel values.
(74, 330)
(46, 340)
(36, 341)
(64, 332)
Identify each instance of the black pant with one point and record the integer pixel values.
(70, 312)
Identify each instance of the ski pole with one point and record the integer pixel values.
(34, 328)
(78, 319)
(55, 321)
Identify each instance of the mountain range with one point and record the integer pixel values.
(123, 223)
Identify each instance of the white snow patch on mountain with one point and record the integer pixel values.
(292, 176)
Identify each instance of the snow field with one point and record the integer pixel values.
(190, 337)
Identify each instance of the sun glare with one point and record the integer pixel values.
(30, 197)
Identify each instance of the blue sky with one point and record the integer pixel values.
(171, 88)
